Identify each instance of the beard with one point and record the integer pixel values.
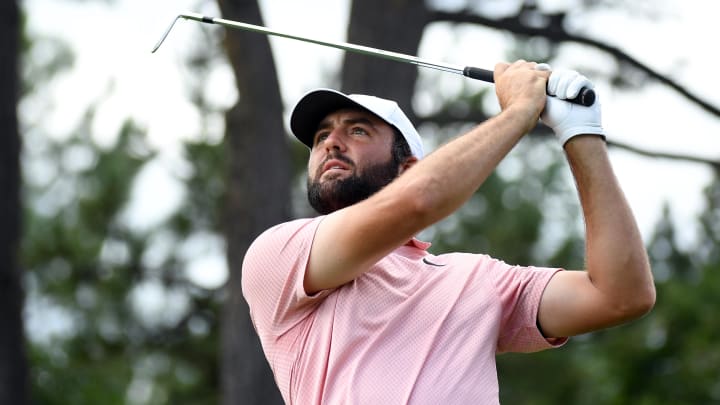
(336, 194)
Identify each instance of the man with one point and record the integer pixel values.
(351, 308)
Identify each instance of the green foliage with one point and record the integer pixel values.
(671, 356)
(93, 339)
(505, 218)
(88, 267)
(44, 58)
(207, 179)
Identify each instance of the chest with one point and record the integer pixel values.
(415, 292)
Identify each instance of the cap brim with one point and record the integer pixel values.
(313, 108)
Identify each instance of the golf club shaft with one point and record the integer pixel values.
(585, 97)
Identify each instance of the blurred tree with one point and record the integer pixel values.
(115, 317)
(258, 176)
(92, 277)
(13, 365)
(669, 357)
(369, 26)
(675, 357)
(95, 280)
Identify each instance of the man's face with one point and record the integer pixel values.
(350, 160)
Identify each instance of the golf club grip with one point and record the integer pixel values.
(586, 96)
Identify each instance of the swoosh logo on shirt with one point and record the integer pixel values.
(426, 261)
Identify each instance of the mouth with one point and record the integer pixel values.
(333, 165)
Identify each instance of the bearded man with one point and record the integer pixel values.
(351, 308)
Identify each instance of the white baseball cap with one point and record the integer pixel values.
(314, 106)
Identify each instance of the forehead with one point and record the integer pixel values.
(352, 115)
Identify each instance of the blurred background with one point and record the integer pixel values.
(132, 183)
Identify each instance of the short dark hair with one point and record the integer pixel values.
(400, 148)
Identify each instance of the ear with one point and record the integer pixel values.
(408, 163)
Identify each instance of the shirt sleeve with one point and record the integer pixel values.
(272, 277)
(520, 290)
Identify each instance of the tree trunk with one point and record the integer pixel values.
(390, 25)
(258, 197)
(13, 364)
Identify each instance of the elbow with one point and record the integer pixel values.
(629, 310)
(649, 298)
(646, 294)
(643, 303)
(639, 301)
(627, 284)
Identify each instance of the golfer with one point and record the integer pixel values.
(352, 309)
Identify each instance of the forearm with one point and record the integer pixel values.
(424, 194)
(616, 260)
(444, 180)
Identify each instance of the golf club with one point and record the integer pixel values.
(585, 97)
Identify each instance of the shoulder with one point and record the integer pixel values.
(280, 246)
(272, 276)
(290, 226)
(277, 257)
(281, 235)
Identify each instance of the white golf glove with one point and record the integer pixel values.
(568, 119)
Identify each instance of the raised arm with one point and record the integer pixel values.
(617, 285)
(351, 240)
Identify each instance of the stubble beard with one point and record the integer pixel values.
(338, 193)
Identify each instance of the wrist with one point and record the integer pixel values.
(586, 144)
(525, 113)
(566, 137)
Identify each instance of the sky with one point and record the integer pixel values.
(112, 41)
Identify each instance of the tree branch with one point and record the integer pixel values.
(554, 31)
(444, 118)
(715, 164)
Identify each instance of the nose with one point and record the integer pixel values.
(334, 140)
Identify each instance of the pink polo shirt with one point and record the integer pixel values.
(414, 329)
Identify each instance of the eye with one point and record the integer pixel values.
(358, 131)
(321, 136)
